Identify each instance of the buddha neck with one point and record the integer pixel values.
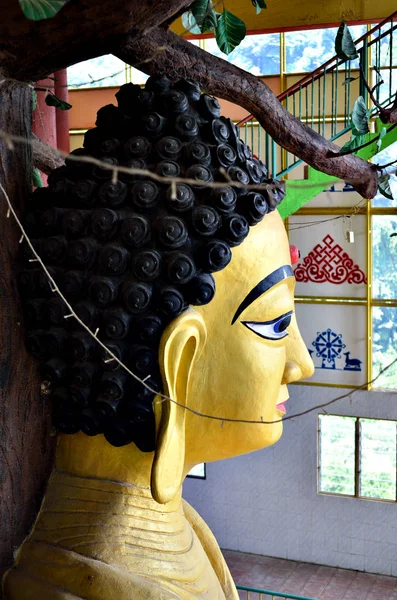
(98, 504)
(95, 458)
(97, 516)
(122, 474)
(107, 490)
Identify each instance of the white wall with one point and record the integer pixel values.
(267, 502)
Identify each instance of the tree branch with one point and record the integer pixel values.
(81, 30)
(45, 157)
(180, 59)
(389, 115)
(368, 143)
(389, 164)
(386, 115)
(369, 89)
(31, 50)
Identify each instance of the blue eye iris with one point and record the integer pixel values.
(282, 324)
(271, 330)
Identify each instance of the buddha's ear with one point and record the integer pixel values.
(180, 347)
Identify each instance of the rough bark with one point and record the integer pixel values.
(180, 59)
(44, 157)
(129, 29)
(389, 115)
(25, 424)
(386, 115)
(31, 50)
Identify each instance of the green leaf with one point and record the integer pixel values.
(381, 136)
(259, 4)
(201, 9)
(229, 32)
(344, 44)
(354, 144)
(349, 80)
(201, 18)
(384, 186)
(52, 100)
(37, 10)
(210, 22)
(360, 116)
(190, 23)
(36, 178)
(204, 15)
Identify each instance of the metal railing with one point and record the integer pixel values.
(324, 99)
(249, 593)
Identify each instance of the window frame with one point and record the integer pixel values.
(356, 449)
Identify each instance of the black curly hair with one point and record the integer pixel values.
(130, 255)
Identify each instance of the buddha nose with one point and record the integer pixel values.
(292, 372)
(299, 364)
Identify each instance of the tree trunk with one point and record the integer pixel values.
(31, 50)
(26, 443)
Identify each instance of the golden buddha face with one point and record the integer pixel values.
(252, 351)
(230, 359)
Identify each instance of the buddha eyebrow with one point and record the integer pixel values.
(262, 287)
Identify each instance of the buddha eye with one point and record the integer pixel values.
(271, 330)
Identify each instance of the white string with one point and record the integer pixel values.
(72, 313)
(150, 174)
(174, 180)
(305, 224)
(164, 397)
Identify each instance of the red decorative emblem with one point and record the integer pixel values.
(329, 262)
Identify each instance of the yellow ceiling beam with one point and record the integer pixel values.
(303, 13)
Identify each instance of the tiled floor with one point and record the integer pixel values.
(304, 579)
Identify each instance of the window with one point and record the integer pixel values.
(258, 54)
(199, 472)
(357, 457)
(305, 50)
(99, 72)
(383, 49)
(336, 455)
(136, 76)
(106, 71)
(384, 279)
(384, 157)
(384, 325)
(308, 49)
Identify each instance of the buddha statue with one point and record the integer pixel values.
(189, 287)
